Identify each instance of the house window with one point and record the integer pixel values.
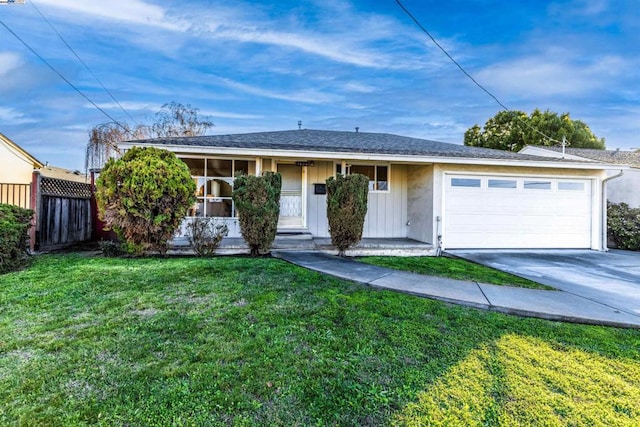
(214, 185)
(378, 175)
(503, 183)
(537, 185)
(465, 182)
(571, 186)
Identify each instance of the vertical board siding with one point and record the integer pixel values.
(317, 203)
(386, 213)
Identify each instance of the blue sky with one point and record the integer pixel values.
(334, 64)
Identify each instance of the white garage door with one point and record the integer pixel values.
(516, 212)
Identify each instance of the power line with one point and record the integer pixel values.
(64, 78)
(82, 62)
(485, 90)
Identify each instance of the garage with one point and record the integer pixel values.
(516, 212)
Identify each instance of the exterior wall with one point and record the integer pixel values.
(420, 204)
(625, 189)
(595, 175)
(14, 167)
(317, 203)
(386, 212)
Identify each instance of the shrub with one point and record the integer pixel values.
(346, 209)
(144, 197)
(205, 235)
(257, 200)
(623, 226)
(14, 239)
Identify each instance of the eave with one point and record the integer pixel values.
(375, 157)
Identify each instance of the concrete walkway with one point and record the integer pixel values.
(551, 305)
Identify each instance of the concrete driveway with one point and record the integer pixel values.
(610, 278)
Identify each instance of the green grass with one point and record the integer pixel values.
(453, 268)
(238, 341)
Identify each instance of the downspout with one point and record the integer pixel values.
(603, 244)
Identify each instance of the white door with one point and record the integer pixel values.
(516, 212)
(291, 197)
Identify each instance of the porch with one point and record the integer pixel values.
(306, 242)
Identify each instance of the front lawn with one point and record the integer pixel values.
(239, 341)
(452, 268)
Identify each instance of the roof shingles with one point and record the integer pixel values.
(341, 142)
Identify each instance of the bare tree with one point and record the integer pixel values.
(175, 119)
(103, 142)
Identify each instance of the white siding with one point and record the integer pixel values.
(420, 203)
(386, 212)
(317, 203)
(14, 167)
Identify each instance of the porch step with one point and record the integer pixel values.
(293, 235)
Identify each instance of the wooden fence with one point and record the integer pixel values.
(16, 194)
(63, 213)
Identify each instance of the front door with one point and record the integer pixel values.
(292, 196)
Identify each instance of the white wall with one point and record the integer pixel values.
(625, 189)
(386, 212)
(14, 167)
(420, 203)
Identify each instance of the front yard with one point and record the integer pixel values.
(239, 341)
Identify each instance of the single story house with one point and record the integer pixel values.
(16, 173)
(444, 194)
(624, 189)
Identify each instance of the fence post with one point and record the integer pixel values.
(35, 206)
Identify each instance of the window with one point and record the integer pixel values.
(465, 182)
(571, 186)
(537, 185)
(214, 184)
(378, 175)
(503, 183)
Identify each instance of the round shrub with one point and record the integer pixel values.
(144, 197)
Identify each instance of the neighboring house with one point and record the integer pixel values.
(16, 173)
(60, 198)
(625, 188)
(465, 197)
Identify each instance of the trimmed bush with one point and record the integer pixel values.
(205, 234)
(14, 238)
(257, 200)
(144, 196)
(346, 209)
(623, 226)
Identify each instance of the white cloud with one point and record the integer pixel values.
(308, 96)
(129, 11)
(9, 62)
(214, 114)
(127, 105)
(546, 75)
(14, 117)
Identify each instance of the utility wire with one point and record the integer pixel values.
(65, 79)
(82, 62)
(485, 90)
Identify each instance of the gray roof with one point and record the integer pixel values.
(341, 141)
(618, 157)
